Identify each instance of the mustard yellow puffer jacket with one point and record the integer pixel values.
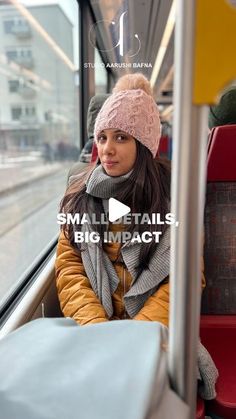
(78, 300)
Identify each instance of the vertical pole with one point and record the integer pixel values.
(86, 55)
(188, 195)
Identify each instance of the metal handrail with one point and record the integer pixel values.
(188, 194)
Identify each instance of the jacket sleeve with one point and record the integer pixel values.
(156, 308)
(76, 296)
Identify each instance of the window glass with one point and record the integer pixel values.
(8, 24)
(100, 74)
(39, 127)
(13, 85)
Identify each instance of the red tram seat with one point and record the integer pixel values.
(218, 334)
(221, 154)
(94, 153)
(200, 409)
(163, 146)
(218, 324)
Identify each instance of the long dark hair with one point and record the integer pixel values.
(147, 190)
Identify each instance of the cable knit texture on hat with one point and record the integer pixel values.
(134, 112)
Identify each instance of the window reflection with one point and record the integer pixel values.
(100, 74)
(39, 126)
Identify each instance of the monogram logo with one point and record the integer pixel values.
(123, 39)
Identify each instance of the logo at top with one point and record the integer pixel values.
(123, 40)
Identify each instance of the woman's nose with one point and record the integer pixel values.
(109, 147)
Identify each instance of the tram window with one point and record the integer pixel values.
(100, 74)
(39, 127)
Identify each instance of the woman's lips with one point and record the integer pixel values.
(110, 163)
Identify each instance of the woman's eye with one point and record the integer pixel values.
(121, 137)
(101, 138)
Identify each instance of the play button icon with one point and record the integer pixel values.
(116, 209)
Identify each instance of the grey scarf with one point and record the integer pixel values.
(99, 268)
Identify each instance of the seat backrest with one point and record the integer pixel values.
(163, 148)
(219, 297)
(221, 164)
(94, 153)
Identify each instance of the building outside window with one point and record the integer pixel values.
(16, 26)
(8, 25)
(16, 113)
(13, 85)
(35, 152)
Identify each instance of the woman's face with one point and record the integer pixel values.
(116, 151)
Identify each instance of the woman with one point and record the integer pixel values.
(102, 280)
(105, 281)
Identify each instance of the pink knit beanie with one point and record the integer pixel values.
(132, 109)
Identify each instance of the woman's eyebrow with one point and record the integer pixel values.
(115, 131)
